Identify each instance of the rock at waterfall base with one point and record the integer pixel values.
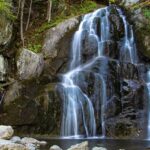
(99, 148)
(27, 140)
(8, 145)
(55, 147)
(81, 146)
(6, 132)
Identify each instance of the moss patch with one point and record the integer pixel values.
(146, 13)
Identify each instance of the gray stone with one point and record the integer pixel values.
(8, 145)
(29, 64)
(6, 132)
(16, 139)
(13, 93)
(31, 146)
(81, 146)
(99, 148)
(3, 68)
(28, 140)
(5, 30)
(54, 35)
(129, 2)
(55, 147)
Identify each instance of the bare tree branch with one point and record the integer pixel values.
(29, 15)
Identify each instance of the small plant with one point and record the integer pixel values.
(146, 13)
(112, 1)
(35, 48)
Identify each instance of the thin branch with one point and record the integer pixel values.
(29, 15)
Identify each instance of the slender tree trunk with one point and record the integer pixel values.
(49, 11)
(29, 15)
(21, 21)
(19, 4)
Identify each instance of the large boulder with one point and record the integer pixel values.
(54, 36)
(41, 105)
(6, 132)
(29, 64)
(17, 106)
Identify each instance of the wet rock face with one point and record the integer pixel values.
(89, 46)
(117, 27)
(126, 100)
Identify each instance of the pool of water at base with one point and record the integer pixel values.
(110, 144)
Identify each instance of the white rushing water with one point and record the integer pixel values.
(128, 50)
(84, 112)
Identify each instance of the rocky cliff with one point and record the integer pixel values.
(29, 100)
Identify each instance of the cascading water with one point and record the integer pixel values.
(84, 91)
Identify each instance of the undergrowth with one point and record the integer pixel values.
(35, 43)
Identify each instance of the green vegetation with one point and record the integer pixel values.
(35, 47)
(146, 13)
(5, 9)
(112, 1)
(36, 39)
(141, 5)
(73, 10)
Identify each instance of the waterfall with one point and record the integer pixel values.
(128, 47)
(83, 87)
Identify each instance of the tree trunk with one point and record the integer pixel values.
(21, 21)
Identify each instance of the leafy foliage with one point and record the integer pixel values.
(146, 13)
(5, 9)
